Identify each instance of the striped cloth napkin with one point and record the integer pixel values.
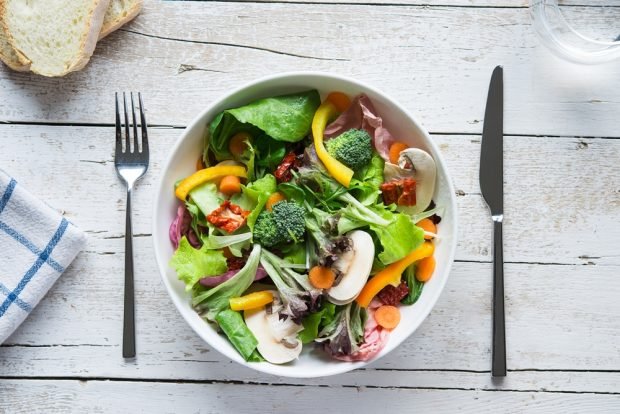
(36, 246)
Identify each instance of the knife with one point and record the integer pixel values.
(492, 187)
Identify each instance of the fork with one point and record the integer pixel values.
(131, 164)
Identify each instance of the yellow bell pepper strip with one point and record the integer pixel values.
(207, 174)
(336, 169)
(392, 273)
(251, 300)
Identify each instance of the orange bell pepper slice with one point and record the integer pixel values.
(392, 273)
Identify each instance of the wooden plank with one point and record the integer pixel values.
(443, 3)
(439, 67)
(26, 396)
(104, 361)
(435, 3)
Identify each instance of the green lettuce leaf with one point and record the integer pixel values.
(254, 196)
(206, 197)
(235, 242)
(284, 118)
(192, 264)
(294, 253)
(259, 191)
(366, 186)
(314, 321)
(216, 299)
(269, 153)
(238, 333)
(398, 238)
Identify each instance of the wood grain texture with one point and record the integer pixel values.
(436, 56)
(435, 60)
(101, 396)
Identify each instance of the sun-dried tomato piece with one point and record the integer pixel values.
(390, 194)
(401, 192)
(391, 295)
(407, 197)
(290, 162)
(228, 216)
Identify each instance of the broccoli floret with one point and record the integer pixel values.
(284, 224)
(352, 148)
(265, 230)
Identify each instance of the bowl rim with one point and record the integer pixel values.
(339, 367)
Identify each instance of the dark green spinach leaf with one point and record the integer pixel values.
(415, 287)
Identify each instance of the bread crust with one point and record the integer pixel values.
(117, 23)
(12, 62)
(88, 39)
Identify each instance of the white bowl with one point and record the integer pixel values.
(181, 163)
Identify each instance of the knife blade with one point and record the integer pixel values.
(492, 187)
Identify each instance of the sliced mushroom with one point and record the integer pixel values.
(282, 329)
(418, 164)
(357, 263)
(275, 343)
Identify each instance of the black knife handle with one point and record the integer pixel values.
(498, 368)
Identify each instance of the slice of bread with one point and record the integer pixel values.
(8, 55)
(53, 37)
(118, 13)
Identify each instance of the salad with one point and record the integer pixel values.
(306, 223)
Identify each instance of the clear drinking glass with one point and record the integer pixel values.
(588, 33)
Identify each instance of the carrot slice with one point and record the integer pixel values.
(424, 269)
(395, 150)
(322, 277)
(387, 316)
(230, 184)
(339, 100)
(274, 199)
(238, 143)
(427, 225)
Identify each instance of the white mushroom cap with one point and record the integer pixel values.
(276, 351)
(418, 164)
(358, 264)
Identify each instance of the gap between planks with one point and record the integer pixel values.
(275, 384)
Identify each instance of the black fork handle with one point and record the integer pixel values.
(129, 327)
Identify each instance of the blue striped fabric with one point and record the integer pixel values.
(24, 241)
(7, 194)
(31, 233)
(42, 258)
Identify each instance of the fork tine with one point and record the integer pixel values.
(145, 138)
(127, 135)
(119, 143)
(136, 147)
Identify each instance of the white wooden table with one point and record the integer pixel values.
(562, 229)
